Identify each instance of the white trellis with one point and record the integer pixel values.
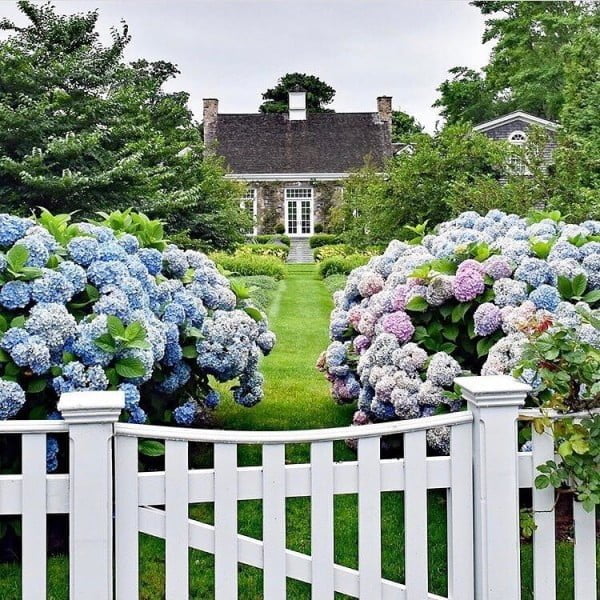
(481, 477)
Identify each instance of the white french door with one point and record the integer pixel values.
(299, 211)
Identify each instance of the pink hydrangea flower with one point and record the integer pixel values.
(399, 324)
(467, 285)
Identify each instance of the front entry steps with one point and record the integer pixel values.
(300, 251)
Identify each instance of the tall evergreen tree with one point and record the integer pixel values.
(80, 129)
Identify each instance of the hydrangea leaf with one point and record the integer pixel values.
(17, 257)
(151, 448)
(115, 326)
(417, 303)
(254, 313)
(130, 367)
(36, 386)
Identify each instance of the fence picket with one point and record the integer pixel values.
(126, 519)
(369, 512)
(322, 523)
(585, 553)
(460, 516)
(274, 577)
(544, 557)
(415, 516)
(226, 522)
(176, 525)
(34, 516)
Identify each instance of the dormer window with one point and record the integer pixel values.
(518, 138)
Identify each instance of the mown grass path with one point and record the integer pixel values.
(296, 394)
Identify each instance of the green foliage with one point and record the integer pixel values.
(404, 126)
(419, 186)
(261, 289)
(527, 68)
(149, 233)
(569, 374)
(318, 94)
(335, 282)
(278, 250)
(80, 129)
(342, 265)
(272, 239)
(324, 239)
(342, 250)
(250, 264)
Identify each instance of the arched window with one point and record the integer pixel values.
(518, 138)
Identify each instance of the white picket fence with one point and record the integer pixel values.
(481, 478)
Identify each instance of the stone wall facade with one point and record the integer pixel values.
(271, 197)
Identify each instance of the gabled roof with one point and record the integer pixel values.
(517, 115)
(323, 143)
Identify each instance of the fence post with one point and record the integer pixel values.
(494, 402)
(91, 416)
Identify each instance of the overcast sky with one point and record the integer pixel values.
(235, 49)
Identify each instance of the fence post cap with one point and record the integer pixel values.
(91, 406)
(493, 390)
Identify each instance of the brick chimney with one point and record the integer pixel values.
(297, 104)
(209, 120)
(384, 109)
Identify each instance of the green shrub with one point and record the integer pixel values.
(335, 282)
(341, 250)
(278, 250)
(280, 228)
(324, 239)
(342, 265)
(262, 289)
(272, 238)
(251, 264)
(183, 240)
(318, 228)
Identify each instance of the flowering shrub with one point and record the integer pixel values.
(464, 298)
(566, 375)
(114, 306)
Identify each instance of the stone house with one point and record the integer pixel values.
(513, 128)
(295, 163)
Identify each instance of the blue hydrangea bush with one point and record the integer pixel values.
(91, 306)
(463, 299)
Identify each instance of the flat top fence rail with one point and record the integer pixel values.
(22, 427)
(290, 437)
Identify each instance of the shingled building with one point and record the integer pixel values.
(294, 163)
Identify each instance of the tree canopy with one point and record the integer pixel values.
(404, 126)
(80, 129)
(318, 94)
(526, 71)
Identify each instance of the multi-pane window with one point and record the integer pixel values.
(249, 204)
(515, 161)
(299, 211)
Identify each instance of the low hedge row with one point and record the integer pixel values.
(262, 289)
(278, 250)
(272, 238)
(335, 282)
(342, 265)
(250, 264)
(324, 239)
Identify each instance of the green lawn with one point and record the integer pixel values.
(296, 397)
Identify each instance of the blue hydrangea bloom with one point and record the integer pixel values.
(186, 413)
(546, 297)
(51, 454)
(83, 250)
(52, 287)
(152, 260)
(12, 399)
(37, 249)
(12, 229)
(15, 294)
